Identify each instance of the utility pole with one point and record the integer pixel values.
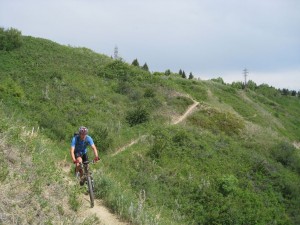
(245, 74)
(116, 53)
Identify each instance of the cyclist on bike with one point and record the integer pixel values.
(79, 149)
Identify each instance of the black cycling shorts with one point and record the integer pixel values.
(84, 156)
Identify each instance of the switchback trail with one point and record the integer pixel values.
(101, 211)
(174, 122)
(188, 112)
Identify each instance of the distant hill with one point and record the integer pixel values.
(234, 159)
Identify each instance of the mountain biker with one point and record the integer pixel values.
(79, 150)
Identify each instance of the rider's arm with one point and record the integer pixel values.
(95, 150)
(93, 146)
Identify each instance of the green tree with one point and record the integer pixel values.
(180, 72)
(285, 91)
(135, 62)
(251, 85)
(168, 72)
(145, 67)
(218, 80)
(294, 93)
(183, 74)
(191, 76)
(237, 85)
(267, 90)
(10, 39)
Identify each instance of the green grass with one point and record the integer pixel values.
(230, 162)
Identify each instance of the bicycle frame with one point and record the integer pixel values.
(87, 176)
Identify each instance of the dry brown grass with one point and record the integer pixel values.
(25, 197)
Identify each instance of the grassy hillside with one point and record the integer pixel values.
(232, 161)
(34, 188)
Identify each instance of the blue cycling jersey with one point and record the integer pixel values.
(81, 145)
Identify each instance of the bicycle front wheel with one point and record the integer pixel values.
(91, 191)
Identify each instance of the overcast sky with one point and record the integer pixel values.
(210, 38)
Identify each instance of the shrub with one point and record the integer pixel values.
(237, 85)
(149, 93)
(286, 154)
(168, 72)
(10, 39)
(123, 88)
(181, 138)
(218, 121)
(218, 80)
(137, 116)
(102, 138)
(161, 141)
(228, 184)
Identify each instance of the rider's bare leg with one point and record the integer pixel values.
(78, 167)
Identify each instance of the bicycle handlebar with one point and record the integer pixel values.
(87, 162)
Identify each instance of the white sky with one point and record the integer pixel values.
(210, 38)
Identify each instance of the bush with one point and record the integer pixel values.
(137, 116)
(102, 139)
(10, 39)
(228, 184)
(10, 88)
(160, 143)
(218, 121)
(286, 154)
(218, 80)
(149, 93)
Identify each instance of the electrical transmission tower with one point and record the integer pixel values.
(116, 53)
(245, 75)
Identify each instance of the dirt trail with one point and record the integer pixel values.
(132, 142)
(174, 122)
(99, 210)
(188, 112)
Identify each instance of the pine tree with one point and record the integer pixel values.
(180, 72)
(145, 67)
(183, 74)
(135, 63)
(191, 76)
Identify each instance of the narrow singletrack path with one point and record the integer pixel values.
(174, 122)
(101, 211)
(187, 113)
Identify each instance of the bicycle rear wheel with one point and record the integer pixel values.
(91, 191)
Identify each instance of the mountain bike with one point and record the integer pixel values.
(88, 179)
